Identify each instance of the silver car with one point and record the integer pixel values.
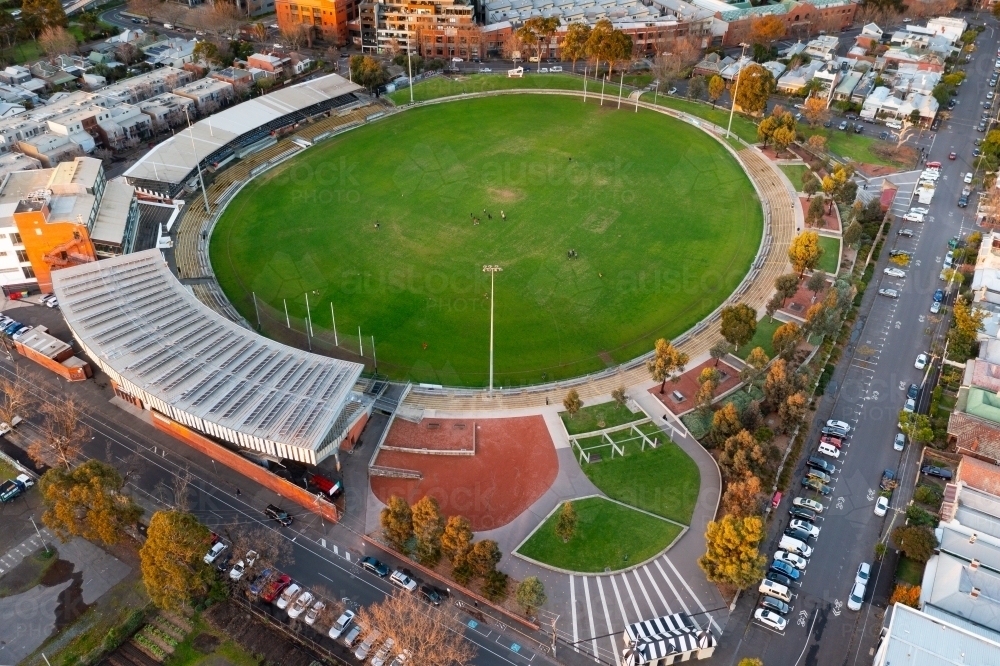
(857, 597)
(894, 272)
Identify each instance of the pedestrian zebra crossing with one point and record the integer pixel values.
(602, 605)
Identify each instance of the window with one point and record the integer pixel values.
(29, 272)
(22, 256)
(16, 239)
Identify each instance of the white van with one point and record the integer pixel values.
(776, 590)
(829, 450)
(894, 124)
(793, 545)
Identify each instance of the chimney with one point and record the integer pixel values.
(974, 564)
(975, 593)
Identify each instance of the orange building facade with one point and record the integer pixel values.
(326, 18)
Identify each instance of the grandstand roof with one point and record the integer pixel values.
(140, 323)
(172, 160)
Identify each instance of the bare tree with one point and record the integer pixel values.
(148, 8)
(63, 434)
(126, 53)
(180, 483)
(15, 396)
(431, 637)
(271, 549)
(56, 40)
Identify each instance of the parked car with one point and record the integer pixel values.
(774, 605)
(821, 464)
(796, 561)
(899, 442)
(889, 293)
(241, 566)
(935, 307)
(939, 472)
(921, 362)
(376, 567)
(913, 217)
(939, 295)
(367, 644)
(801, 513)
(779, 578)
(842, 426)
(910, 405)
(351, 637)
(400, 579)
(342, 623)
(302, 602)
(963, 202)
(842, 126)
(857, 597)
(13, 488)
(888, 480)
(864, 572)
(952, 155)
(770, 619)
(798, 535)
(785, 569)
(894, 272)
(913, 391)
(807, 503)
(214, 552)
(818, 486)
(814, 473)
(831, 440)
(828, 450)
(314, 612)
(881, 505)
(805, 526)
(288, 596)
(920, 209)
(430, 594)
(275, 588)
(258, 583)
(383, 653)
(905, 232)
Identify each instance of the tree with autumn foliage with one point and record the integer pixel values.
(792, 410)
(754, 85)
(777, 385)
(742, 497)
(427, 528)
(87, 501)
(754, 367)
(785, 338)
(716, 86)
(766, 30)
(397, 522)
(429, 639)
(456, 539)
(741, 456)
(906, 594)
(732, 556)
(739, 323)
(725, 423)
(574, 43)
(173, 568)
(666, 360)
(805, 252)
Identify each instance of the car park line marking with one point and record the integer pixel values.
(672, 588)
(691, 592)
(656, 588)
(607, 619)
(631, 596)
(621, 606)
(590, 614)
(643, 588)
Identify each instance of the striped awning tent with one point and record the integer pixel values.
(661, 626)
(650, 649)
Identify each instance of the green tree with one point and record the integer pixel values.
(916, 541)
(566, 524)
(750, 661)
(619, 396)
(816, 282)
(719, 351)
(917, 427)
(732, 556)
(574, 43)
(207, 52)
(785, 339)
(171, 560)
(805, 252)
(792, 410)
(89, 24)
(696, 87)
(456, 539)
(814, 214)
(787, 285)
(773, 305)
(572, 402)
(810, 187)
(536, 31)
(87, 501)
(397, 522)
(666, 360)
(716, 86)
(853, 233)
(368, 72)
(484, 557)
(739, 323)
(941, 94)
(427, 527)
(755, 365)
(530, 595)
(754, 85)
(37, 15)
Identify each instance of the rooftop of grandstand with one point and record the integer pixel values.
(162, 345)
(171, 161)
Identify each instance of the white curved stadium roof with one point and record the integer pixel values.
(137, 321)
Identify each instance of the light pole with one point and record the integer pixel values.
(736, 87)
(492, 270)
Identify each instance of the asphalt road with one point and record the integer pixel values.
(323, 555)
(869, 391)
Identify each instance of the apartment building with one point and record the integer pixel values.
(327, 19)
(207, 94)
(168, 110)
(432, 28)
(60, 217)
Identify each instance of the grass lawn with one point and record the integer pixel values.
(699, 424)
(831, 254)
(26, 51)
(638, 80)
(446, 86)
(743, 127)
(857, 147)
(664, 480)
(7, 471)
(664, 229)
(794, 173)
(909, 571)
(608, 536)
(186, 654)
(762, 336)
(588, 418)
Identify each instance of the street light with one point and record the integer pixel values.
(736, 87)
(492, 270)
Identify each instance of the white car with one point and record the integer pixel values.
(805, 526)
(300, 605)
(557, 68)
(968, 178)
(485, 70)
(900, 442)
(864, 571)
(930, 175)
(806, 503)
(894, 272)
(881, 505)
(543, 70)
(383, 652)
(458, 60)
(213, 554)
(400, 659)
(791, 559)
(839, 425)
(935, 307)
(314, 612)
(919, 210)
(241, 567)
(921, 362)
(367, 644)
(342, 623)
(910, 405)
(857, 597)
(913, 217)
(288, 596)
(770, 619)
(888, 293)
(400, 579)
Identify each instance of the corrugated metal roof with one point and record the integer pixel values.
(917, 639)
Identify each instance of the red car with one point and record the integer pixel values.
(952, 156)
(831, 440)
(275, 588)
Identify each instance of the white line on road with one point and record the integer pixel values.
(572, 605)
(638, 613)
(656, 588)
(691, 592)
(607, 619)
(642, 587)
(618, 597)
(590, 615)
